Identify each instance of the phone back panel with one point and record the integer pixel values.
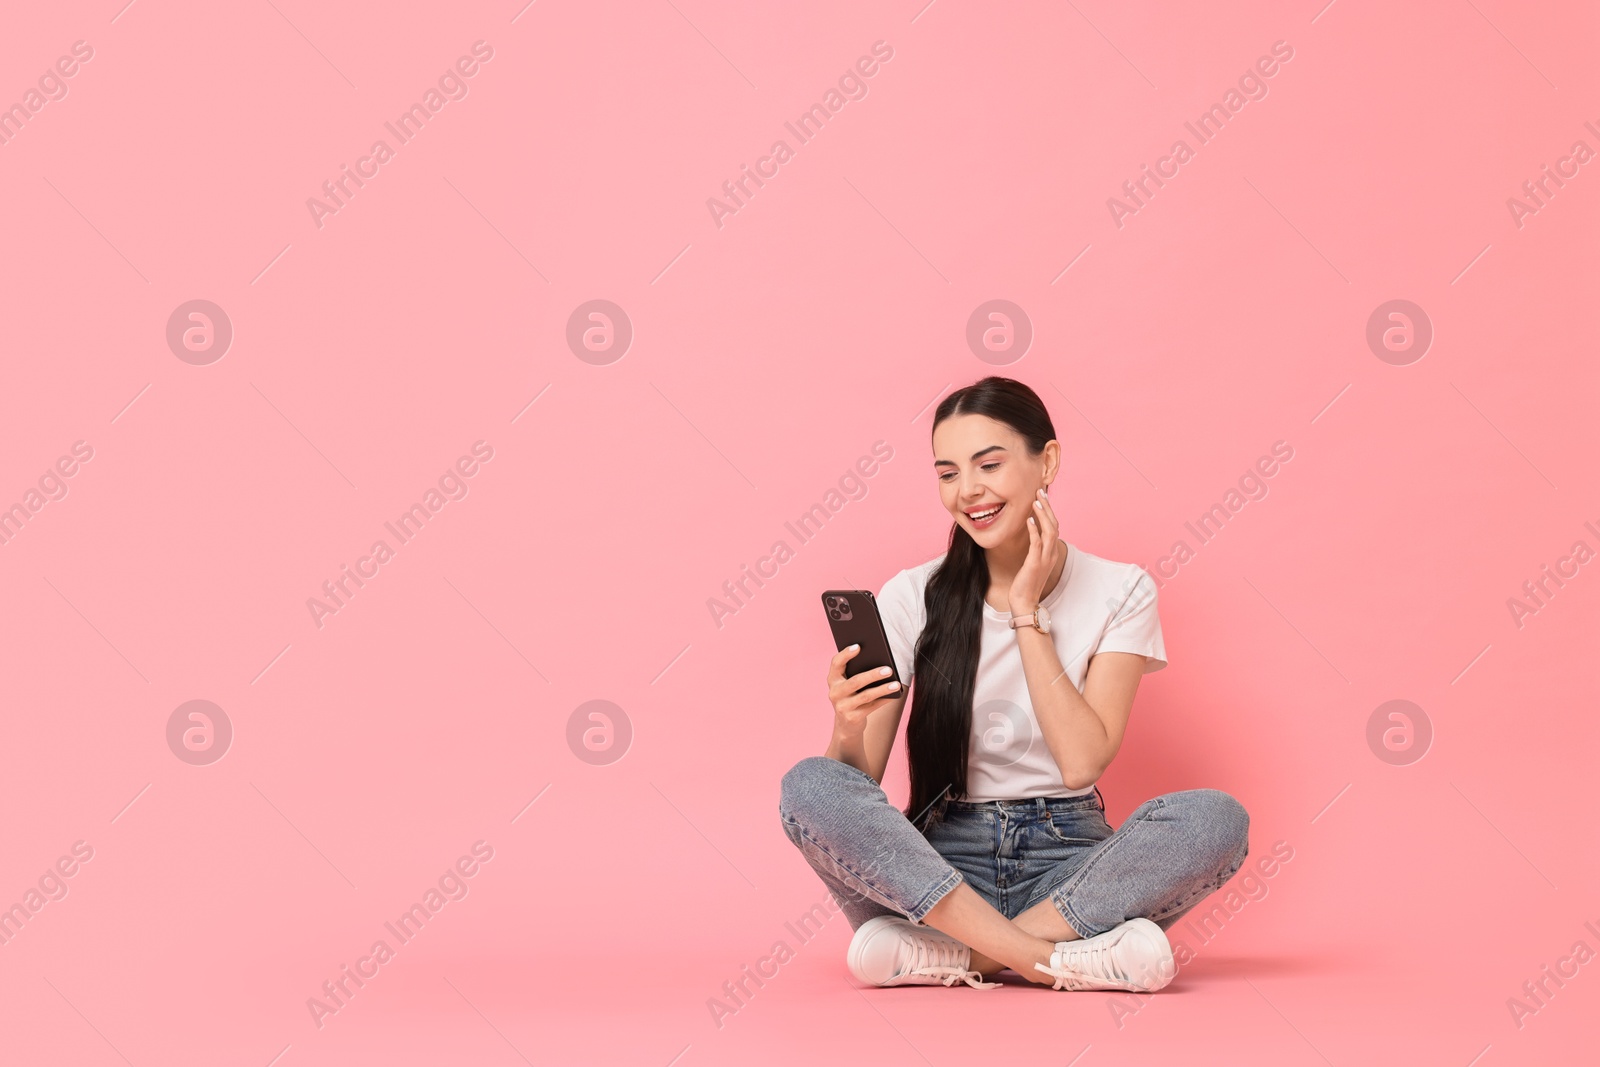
(854, 619)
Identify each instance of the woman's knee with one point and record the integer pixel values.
(812, 788)
(1221, 822)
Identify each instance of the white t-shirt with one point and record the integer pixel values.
(1097, 606)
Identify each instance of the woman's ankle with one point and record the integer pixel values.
(987, 967)
(984, 965)
(1033, 974)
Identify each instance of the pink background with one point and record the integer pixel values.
(768, 354)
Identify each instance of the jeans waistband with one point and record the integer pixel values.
(1034, 804)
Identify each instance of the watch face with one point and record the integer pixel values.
(1043, 619)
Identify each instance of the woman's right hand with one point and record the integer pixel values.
(857, 697)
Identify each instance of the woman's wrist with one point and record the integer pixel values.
(849, 749)
(845, 737)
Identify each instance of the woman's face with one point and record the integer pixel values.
(982, 464)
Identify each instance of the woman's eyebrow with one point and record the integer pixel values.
(975, 455)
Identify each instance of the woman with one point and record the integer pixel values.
(1026, 652)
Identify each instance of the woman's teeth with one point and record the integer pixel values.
(984, 518)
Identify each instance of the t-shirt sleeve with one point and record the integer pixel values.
(899, 605)
(1135, 625)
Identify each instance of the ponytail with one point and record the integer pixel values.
(939, 731)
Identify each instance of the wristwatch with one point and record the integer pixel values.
(1040, 618)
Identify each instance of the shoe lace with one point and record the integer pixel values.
(1082, 964)
(940, 959)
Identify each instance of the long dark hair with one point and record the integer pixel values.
(946, 673)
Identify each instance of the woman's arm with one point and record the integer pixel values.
(1082, 731)
(866, 714)
(868, 749)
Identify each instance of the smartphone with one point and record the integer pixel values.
(854, 619)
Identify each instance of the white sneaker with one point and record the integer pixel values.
(890, 950)
(1134, 956)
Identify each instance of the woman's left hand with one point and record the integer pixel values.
(1044, 552)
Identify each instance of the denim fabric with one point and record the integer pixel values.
(1171, 853)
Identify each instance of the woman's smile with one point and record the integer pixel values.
(983, 516)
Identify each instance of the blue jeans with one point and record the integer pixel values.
(1170, 854)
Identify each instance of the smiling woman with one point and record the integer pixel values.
(1003, 858)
